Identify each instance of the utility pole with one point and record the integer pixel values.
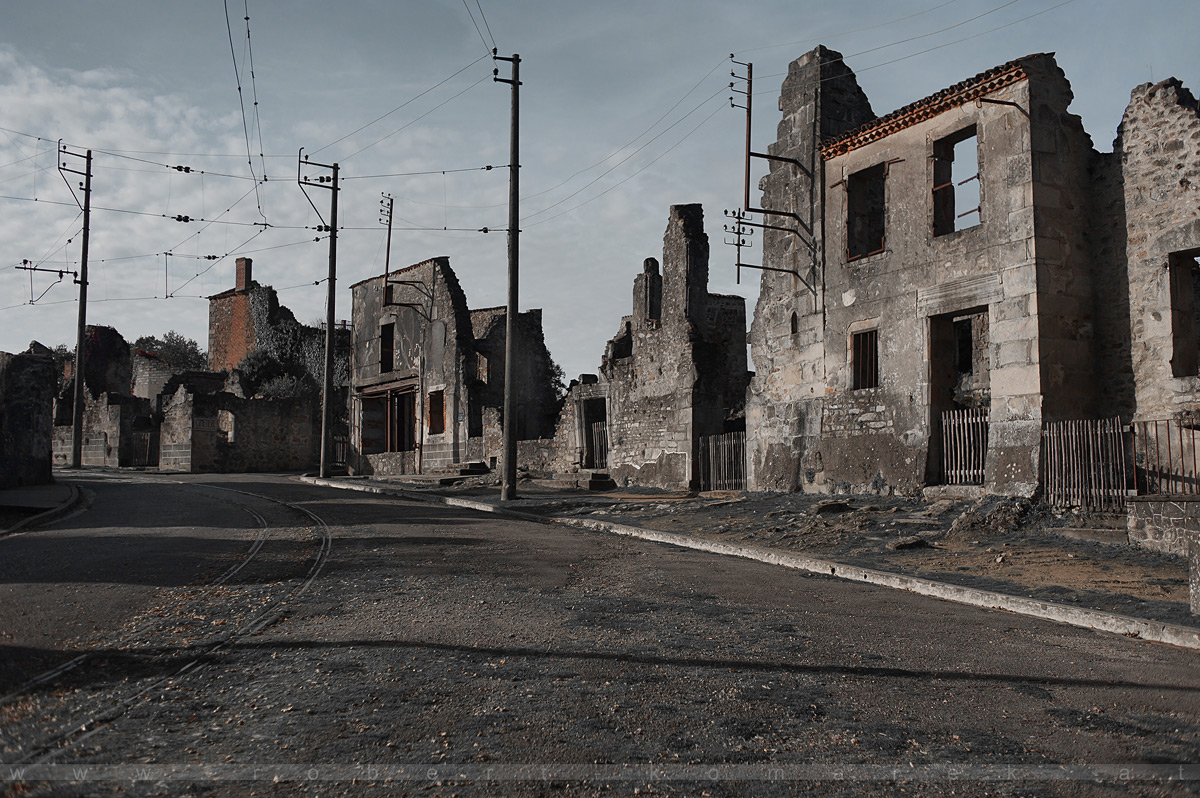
(82, 279)
(330, 182)
(508, 484)
(385, 217)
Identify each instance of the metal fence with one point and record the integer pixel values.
(1165, 458)
(1083, 464)
(723, 461)
(964, 445)
(599, 433)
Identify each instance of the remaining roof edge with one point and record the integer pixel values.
(959, 94)
(428, 261)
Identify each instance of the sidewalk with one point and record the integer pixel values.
(23, 507)
(992, 552)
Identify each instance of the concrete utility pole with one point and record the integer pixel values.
(329, 182)
(81, 337)
(508, 484)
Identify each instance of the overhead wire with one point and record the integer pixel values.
(477, 30)
(486, 25)
(242, 105)
(612, 168)
(643, 168)
(412, 99)
(418, 119)
(254, 91)
(832, 36)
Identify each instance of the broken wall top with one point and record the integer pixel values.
(960, 93)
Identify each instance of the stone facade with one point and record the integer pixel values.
(150, 374)
(971, 250)
(1164, 523)
(27, 386)
(232, 315)
(675, 371)
(113, 418)
(427, 374)
(206, 430)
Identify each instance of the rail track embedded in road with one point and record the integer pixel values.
(132, 666)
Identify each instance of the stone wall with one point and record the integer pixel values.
(150, 374)
(1158, 148)
(819, 98)
(27, 386)
(220, 432)
(675, 370)
(1163, 523)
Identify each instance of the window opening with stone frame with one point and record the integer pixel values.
(387, 347)
(437, 412)
(864, 359)
(865, 212)
(956, 195)
(1184, 277)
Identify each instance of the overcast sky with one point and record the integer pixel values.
(624, 112)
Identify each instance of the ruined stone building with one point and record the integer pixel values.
(969, 256)
(27, 386)
(118, 427)
(427, 374)
(258, 408)
(674, 372)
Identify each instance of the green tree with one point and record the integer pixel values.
(181, 352)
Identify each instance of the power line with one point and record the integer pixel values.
(418, 119)
(631, 141)
(242, 103)
(401, 105)
(477, 30)
(487, 168)
(635, 174)
(254, 90)
(486, 25)
(847, 32)
(630, 155)
(926, 36)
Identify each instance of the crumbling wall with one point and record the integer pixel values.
(220, 432)
(675, 370)
(150, 374)
(27, 386)
(1158, 148)
(819, 99)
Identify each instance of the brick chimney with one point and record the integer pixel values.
(243, 274)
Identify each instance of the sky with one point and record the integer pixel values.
(624, 111)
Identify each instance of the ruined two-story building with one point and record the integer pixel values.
(967, 270)
(427, 374)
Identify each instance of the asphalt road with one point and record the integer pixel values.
(235, 644)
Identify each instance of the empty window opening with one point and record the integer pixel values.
(972, 382)
(795, 324)
(1185, 326)
(437, 412)
(864, 359)
(387, 347)
(956, 182)
(865, 212)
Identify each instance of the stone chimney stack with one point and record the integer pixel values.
(243, 274)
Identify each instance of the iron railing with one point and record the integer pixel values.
(723, 461)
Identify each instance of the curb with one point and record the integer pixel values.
(1139, 628)
(49, 515)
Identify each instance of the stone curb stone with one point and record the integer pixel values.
(47, 516)
(1139, 628)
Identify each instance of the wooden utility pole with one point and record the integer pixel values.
(508, 484)
(82, 279)
(329, 182)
